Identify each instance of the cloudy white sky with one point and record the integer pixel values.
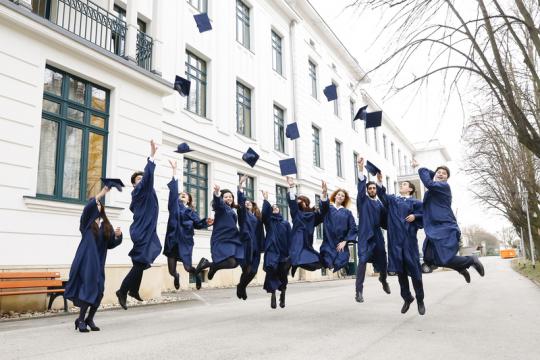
(423, 116)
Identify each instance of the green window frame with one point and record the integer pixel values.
(200, 5)
(196, 73)
(73, 137)
(281, 201)
(313, 78)
(339, 167)
(242, 24)
(243, 110)
(355, 158)
(316, 139)
(319, 228)
(279, 129)
(196, 184)
(277, 58)
(249, 190)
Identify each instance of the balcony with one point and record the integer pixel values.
(94, 24)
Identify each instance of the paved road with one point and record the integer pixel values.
(496, 317)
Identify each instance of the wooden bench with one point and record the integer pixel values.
(26, 283)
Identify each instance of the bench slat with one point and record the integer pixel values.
(29, 284)
(28, 292)
(28, 275)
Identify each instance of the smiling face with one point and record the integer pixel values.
(372, 190)
(405, 189)
(441, 175)
(228, 198)
(185, 198)
(249, 205)
(275, 209)
(340, 197)
(137, 180)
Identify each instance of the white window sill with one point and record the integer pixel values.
(196, 117)
(245, 138)
(65, 208)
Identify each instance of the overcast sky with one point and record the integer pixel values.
(428, 114)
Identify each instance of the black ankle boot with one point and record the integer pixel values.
(273, 300)
(203, 264)
(198, 281)
(177, 281)
(122, 299)
(135, 295)
(421, 307)
(406, 306)
(359, 298)
(282, 299)
(466, 275)
(81, 326)
(92, 325)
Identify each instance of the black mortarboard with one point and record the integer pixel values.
(287, 166)
(182, 85)
(361, 114)
(110, 183)
(251, 157)
(373, 119)
(292, 131)
(330, 92)
(183, 148)
(203, 22)
(372, 169)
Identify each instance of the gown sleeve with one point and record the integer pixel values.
(353, 231)
(427, 175)
(114, 241)
(90, 213)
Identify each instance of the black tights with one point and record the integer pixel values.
(171, 264)
(229, 263)
(82, 313)
(247, 275)
(133, 279)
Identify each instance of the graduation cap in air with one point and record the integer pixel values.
(361, 114)
(251, 157)
(372, 169)
(183, 148)
(373, 119)
(292, 131)
(330, 92)
(182, 85)
(110, 183)
(203, 22)
(287, 166)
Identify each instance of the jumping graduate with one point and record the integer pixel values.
(252, 236)
(404, 214)
(339, 231)
(146, 246)
(305, 219)
(183, 219)
(276, 251)
(442, 231)
(87, 274)
(370, 238)
(225, 244)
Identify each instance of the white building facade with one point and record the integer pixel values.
(86, 85)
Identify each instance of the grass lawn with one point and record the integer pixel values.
(525, 268)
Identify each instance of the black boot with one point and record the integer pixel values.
(198, 281)
(177, 281)
(273, 300)
(282, 299)
(211, 272)
(466, 275)
(90, 319)
(238, 291)
(406, 306)
(135, 295)
(203, 264)
(122, 299)
(421, 307)
(293, 270)
(359, 298)
(81, 326)
(478, 266)
(385, 285)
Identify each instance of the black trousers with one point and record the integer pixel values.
(405, 290)
(133, 279)
(361, 275)
(459, 263)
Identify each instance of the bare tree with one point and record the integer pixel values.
(477, 236)
(472, 47)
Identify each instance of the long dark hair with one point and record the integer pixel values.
(255, 210)
(223, 192)
(107, 227)
(304, 203)
(190, 200)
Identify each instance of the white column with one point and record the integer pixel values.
(131, 36)
(155, 28)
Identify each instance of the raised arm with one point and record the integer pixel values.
(90, 211)
(361, 196)
(147, 182)
(426, 176)
(266, 212)
(291, 198)
(217, 201)
(324, 205)
(352, 229)
(242, 210)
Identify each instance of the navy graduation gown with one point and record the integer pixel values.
(442, 231)
(370, 214)
(276, 246)
(225, 240)
(304, 223)
(145, 208)
(339, 225)
(181, 227)
(87, 274)
(251, 234)
(403, 253)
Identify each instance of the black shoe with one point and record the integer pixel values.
(203, 264)
(466, 275)
(122, 299)
(421, 307)
(198, 281)
(282, 299)
(244, 293)
(359, 298)
(135, 295)
(176, 281)
(273, 300)
(238, 291)
(81, 326)
(385, 285)
(406, 306)
(478, 266)
(293, 270)
(91, 325)
(211, 273)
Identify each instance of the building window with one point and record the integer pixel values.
(336, 102)
(242, 23)
(201, 5)
(313, 78)
(196, 184)
(243, 110)
(352, 104)
(279, 129)
(319, 228)
(281, 201)
(392, 153)
(388, 184)
(316, 146)
(339, 170)
(376, 139)
(385, 146)
(196, 73)
(73, 140)
(141, 25)
(366, 137)
(277, 63)
(355, 158)
(249, 190)
(118, 41)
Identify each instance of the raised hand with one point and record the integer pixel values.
(264, 194)
(414, 163)
(379, 177)
(242, 181)
(153, 148)
(174, 166)
(102, 193)
(360, 163)
(290, 181)
(216, 189)
(324, 188)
